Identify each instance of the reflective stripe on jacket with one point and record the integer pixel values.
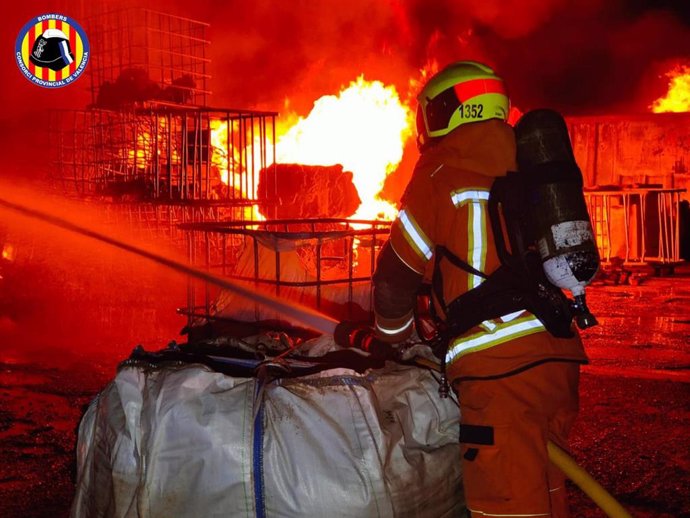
(446, 203)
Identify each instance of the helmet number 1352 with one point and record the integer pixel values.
(470, 110)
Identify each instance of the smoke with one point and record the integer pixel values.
(271, 51)
(579, 57)
(584, 56)
(576, 56)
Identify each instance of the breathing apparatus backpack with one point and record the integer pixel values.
(550, 244)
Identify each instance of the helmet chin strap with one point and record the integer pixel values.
(421, 145)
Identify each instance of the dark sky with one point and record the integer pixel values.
(579, 56)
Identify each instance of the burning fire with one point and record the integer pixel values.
(364, 128)
(425, 73)
(146, 145)
(678, 97)
(228, 163)
(139, 156)
(219, 143)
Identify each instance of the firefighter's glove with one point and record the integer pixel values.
(361, 336)
(410, 350)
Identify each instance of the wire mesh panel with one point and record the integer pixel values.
(71, 161)
(165, 152)
(140, 54)
(161, 165)
(322, 263)
(161, 221)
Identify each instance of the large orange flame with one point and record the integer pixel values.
(416, 84)
(364, 128)
(678, 97)
(227, 164)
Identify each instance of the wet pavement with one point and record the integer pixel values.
(633, 433)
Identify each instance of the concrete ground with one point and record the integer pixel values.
(633, 433)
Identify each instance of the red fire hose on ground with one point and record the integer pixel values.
(313, 320)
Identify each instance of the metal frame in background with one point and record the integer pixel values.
(216, 246)
(159, 165)
(163, 152)
(165, 47)
(636, 204)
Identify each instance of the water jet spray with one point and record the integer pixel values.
(305, 315)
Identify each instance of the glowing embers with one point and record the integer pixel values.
(364, 128)
(144, 143)
(678, 97)
(9, 252)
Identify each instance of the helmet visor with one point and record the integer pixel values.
(440, 109)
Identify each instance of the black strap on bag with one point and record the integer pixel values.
(238, 363)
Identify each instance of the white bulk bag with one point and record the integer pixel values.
(186, 441)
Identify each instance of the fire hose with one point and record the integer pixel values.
(313, 320)
(307, 316)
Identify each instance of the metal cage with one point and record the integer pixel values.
(153, 53)
(163, 152)
(638, 225)
(160, 165)
(331, 254)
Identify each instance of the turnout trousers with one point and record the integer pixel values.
(504, 429)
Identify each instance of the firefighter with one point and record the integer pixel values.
(517, 384)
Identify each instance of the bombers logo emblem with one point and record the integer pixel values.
(52, 50)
